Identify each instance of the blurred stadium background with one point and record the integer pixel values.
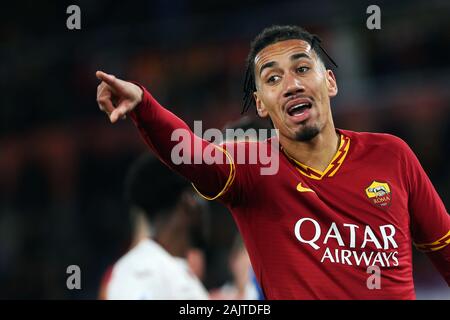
(62, 163)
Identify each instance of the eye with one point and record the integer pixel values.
(272, 79)
(302, 69)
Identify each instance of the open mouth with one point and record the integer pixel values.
(299, 109)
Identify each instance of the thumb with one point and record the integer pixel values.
(120, 112)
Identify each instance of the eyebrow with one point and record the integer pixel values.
(294, 57)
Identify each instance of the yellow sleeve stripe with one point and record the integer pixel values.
(436, 245)
(230, 180)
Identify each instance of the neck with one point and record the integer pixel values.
(316, 153)
(174, 237)
(141, 229)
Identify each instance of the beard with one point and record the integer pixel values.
(307, 133)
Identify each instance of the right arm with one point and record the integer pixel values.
(157, 125)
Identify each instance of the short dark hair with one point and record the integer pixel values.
(270, 36)
(153, 187)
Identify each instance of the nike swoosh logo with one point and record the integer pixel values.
(301, 188)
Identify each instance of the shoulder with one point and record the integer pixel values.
(145, 272)
(147, 255)
(376, 141)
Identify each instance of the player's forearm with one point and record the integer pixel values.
(157, 125)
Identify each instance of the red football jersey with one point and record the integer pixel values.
(318, 235)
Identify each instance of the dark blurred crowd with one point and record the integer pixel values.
(62, 164)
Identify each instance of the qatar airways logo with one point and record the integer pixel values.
(350, 249)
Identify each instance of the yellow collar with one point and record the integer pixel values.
(332, 168)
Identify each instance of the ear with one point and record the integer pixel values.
(260, 107)
(331, 84)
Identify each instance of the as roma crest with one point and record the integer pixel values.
(379, 193)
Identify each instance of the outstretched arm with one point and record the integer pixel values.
(157, 125)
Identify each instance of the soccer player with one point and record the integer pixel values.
(168, 219)
(338, 219)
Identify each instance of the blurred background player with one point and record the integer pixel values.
(168, 223)
(243, 285)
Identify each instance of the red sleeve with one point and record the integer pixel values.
(430, 221)
(207, 166)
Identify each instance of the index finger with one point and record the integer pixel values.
(109, 79)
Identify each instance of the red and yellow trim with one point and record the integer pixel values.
(230, 180)
(436, 245)
(332, 168)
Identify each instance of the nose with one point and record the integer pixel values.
(292, 85)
